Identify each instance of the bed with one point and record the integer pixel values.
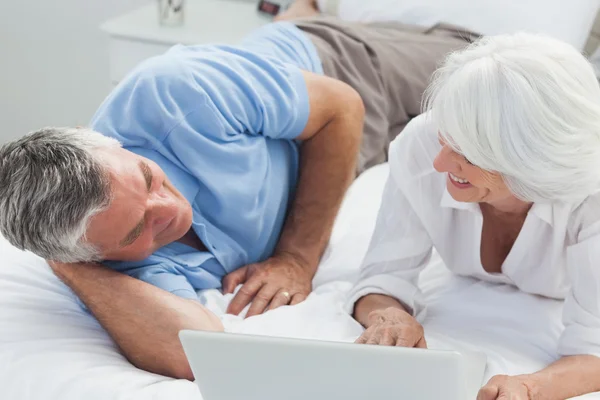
(570, 21)
(51, 349)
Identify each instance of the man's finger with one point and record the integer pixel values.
(297, 299)
(262, 300)
(281, 298)
(421, 344)
(233, 279)
(244, 296)
(488, 392)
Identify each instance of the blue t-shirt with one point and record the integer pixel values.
(221, 122)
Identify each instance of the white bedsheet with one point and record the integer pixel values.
(50, 349)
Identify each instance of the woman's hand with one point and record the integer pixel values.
(503, 387)
(393, 327)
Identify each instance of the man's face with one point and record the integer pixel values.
(146, 211)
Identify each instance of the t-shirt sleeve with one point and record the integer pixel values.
(158, 274)
(167, 280)
(249, 93)
(211, 91)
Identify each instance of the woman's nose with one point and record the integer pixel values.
(445, 161)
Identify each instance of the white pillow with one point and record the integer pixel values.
(51, 349)
(570, 21)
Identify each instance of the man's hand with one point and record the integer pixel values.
(279, 281)
(393, 327)
(503, 387)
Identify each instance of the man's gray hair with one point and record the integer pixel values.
(51, 184)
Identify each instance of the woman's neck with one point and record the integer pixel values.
(508, 207)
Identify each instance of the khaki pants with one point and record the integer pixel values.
(389, 64)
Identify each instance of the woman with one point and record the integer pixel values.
(502, 177)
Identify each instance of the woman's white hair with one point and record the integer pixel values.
(526, 106)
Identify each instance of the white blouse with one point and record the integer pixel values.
(557, 252)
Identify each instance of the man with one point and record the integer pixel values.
(234, 162)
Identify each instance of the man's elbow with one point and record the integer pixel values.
(351, 102)
(181, 371)
(357, 103)
(173, 366)
(353, 110)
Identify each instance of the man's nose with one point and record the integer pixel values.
(160, 207)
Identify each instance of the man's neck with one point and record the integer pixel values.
(192, 240)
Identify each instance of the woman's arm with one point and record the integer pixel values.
(374, 302)
(142, 319)
(399, 250)
(568, 377)
(386, 296)
(578, 371)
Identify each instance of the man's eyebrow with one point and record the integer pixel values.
(147, 172)
(133, 235)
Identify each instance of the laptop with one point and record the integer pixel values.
(247, 367)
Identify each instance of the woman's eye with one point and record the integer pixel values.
(467, 160)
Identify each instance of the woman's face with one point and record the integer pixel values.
(469, 183)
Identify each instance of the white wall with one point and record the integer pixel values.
(53, 61)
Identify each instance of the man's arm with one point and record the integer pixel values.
(327, 167)
(142, 319)
(329, 152)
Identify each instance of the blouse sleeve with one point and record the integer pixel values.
(581, 313)
(399, 250)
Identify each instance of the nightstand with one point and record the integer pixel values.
(138, 35)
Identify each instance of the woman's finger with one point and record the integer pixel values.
(488, 392)
(375, 337)
(364, 337)
(388, 338)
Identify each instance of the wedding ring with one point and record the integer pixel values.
(286, 294)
